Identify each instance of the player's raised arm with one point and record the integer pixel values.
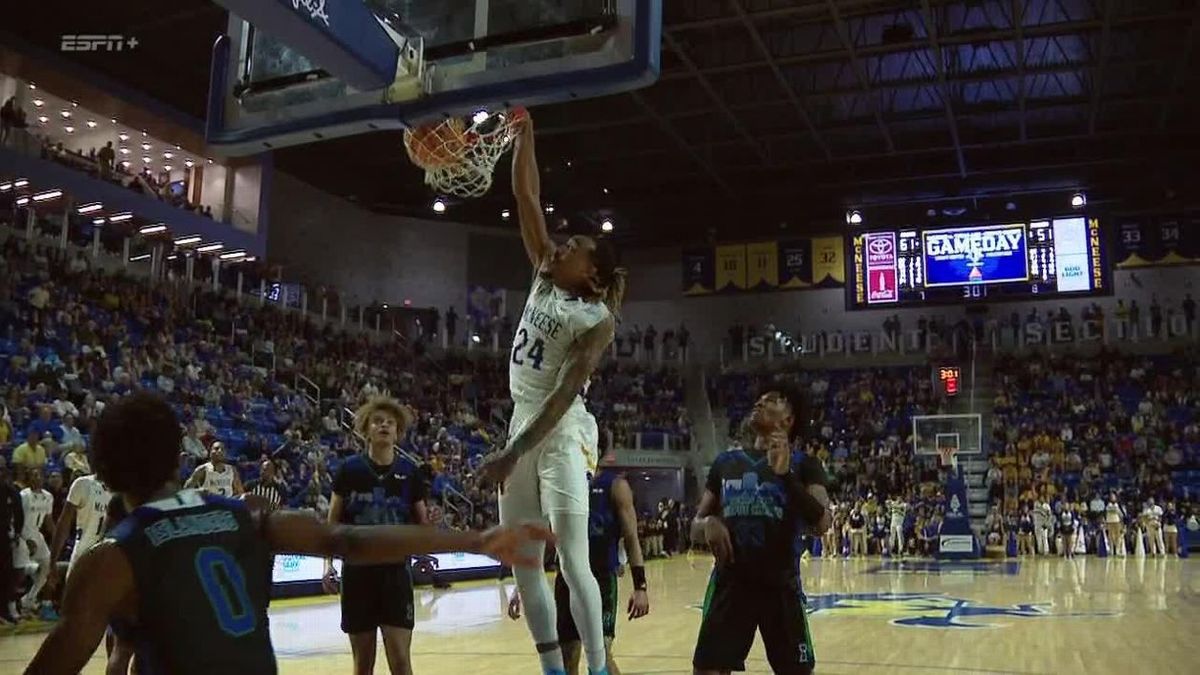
(527, 188)
(584, 355)
(87, 610)
(298, 532)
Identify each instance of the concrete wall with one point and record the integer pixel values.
(368, 257)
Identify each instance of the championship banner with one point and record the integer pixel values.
(967, 255)
(795, 263)
(698, 272)
(1161, 241)
(764, 266)
(829, 267)
(762, 262)
(731, 267)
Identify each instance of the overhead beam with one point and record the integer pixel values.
(968, 37)
(1018, 13)
(931, 33)
(734, 122)
(682, 142)
(784, 84)
(860, 72)
(1098, 80)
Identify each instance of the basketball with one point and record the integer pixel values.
(436, 146)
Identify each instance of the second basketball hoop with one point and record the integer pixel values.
(459, 155)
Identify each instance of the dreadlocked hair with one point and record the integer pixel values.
(610, 276)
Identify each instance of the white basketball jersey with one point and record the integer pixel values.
(218, 482)
(90, 498)
(553, 319)
(38, 506)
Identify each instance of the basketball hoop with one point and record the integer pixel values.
(459, 155)
(949, 456)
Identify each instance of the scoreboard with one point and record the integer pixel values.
(1006, 261)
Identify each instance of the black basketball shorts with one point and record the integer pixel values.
(567, 631)
(375, 596)
(734, 609)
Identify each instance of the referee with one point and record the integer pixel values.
(268, 487)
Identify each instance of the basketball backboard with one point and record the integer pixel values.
(296, 71)
(964, 433)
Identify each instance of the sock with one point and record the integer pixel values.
(571, 529)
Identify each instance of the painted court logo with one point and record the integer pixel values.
(932, 610)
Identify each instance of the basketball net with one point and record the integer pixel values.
(458, 155)
(949, 457)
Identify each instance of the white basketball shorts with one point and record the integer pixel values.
(554, 477)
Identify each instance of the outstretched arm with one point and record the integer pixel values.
(298, 532)
(622, 495)
(527, 188)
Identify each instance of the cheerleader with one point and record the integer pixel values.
(1067, 526)
(1113, 517)
(1025, 533)
(1170, 521)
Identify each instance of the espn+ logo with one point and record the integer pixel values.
(97, 43)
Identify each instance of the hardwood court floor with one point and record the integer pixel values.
(869, 616)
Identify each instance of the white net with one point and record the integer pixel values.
(459, 156)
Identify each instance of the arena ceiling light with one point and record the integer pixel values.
(5, 187)
(606, 225)
(90, 208)
(209, 248)
(505, 214)
(22, 201)
(480, 116)
(439, 205)
(854, 217)
(98, 221)
(43, 119)
(549, 208)
(173, 256)
(167, 167)
(140, 258)
(146, 146)
(121, 217)
(91, 124)
(21, 182)
(168, 155)
(190, 239)
(69, 129)
(153, 229)
(124, 151)
(123, 136)
(189, 163)
(47, 195)
(233, 255)
(37, 103)
(66, 114)
(1078, 200)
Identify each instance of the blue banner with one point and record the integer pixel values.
(975, 255)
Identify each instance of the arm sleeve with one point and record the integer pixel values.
(713, 482)
(341, 485)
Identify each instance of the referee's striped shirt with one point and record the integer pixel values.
(271, 492)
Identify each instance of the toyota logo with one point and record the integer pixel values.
(880, 246)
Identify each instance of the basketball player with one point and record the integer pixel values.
(378, 488)
(187, 575)
(216, 476)
(567, 325)
(32, 553)
(755, 502)
(612, 519)
(897, 511)
(1114, 517)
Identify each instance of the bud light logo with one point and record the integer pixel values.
(1072, 271)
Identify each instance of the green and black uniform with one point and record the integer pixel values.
(761, 588)
(375, 494)
(604, 535)
(203, 575)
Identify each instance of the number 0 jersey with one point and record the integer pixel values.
(552, 320)
(203, 577)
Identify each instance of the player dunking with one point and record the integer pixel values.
(378, 488)
(755, 504)
(567, 325)
(216, 476)
(187, 575)
(612, 518)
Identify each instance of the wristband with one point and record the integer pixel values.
(638, 572)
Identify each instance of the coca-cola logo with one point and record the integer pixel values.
(880, 246)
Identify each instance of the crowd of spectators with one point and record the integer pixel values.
(1069, 435)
